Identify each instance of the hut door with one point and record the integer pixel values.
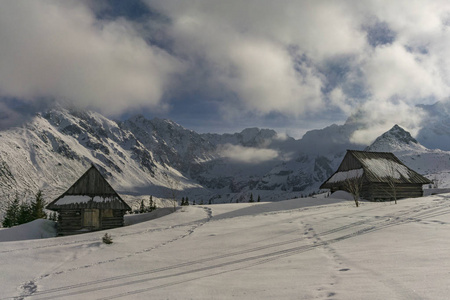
(91, 218)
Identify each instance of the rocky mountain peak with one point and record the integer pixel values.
(395, 139)
(399, 134)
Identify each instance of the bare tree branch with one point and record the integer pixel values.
(353, 185)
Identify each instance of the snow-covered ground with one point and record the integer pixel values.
(309, 248)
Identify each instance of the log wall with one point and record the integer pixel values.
(71, 221)
(383, 192)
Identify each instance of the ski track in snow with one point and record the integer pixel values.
(30, 288)
(239, 259)
(84, 242)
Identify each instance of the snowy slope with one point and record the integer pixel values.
(154, 157)
(433, 163)
(143, 157)
(312, 248)
(54, 149)
(396, 140)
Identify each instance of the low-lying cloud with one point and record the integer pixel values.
(249, 155)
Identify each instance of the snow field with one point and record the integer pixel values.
(310, 248)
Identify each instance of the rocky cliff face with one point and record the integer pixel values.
(395, 140)
(141, 156)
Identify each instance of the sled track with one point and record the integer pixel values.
(371, 225)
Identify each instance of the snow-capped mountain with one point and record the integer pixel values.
(142, 157)
(152, 157)
(396, 140)
(433, 163)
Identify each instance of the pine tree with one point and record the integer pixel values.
(142, 208)
(187, 201)
(12, 213)
(259, 198)
(251, 198)
(151, 203)
(25, 214)
(37, 207)
(107, 239)
(182, 202)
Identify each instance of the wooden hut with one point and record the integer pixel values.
(89, 204)
(380, 175)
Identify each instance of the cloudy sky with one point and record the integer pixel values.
(221, 66)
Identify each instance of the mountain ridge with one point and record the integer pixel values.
(146, 157)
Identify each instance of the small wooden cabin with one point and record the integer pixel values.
(379, 173)
(89, 204)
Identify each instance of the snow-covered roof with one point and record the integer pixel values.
(346, 175)
(91, 190)
(383, 167)
(72, 199)
(374, 167)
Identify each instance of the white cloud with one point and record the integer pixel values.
(248, 57)
(394, 72)
(377, 117)
(257, 52)
(248, 155)
(54, 49)
(266, 54)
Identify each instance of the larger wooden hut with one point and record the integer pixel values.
(380, 176)
(89, 204)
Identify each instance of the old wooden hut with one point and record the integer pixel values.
(89, 204)
(380, 175)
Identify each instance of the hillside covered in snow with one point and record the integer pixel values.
(142, 157)
(151, 157)
(310, 248)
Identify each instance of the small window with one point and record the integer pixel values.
(108, 213)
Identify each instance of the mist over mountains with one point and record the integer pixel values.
(151, 157)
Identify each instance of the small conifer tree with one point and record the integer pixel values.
(142, 207)
(107, 239)
(25, 214)
(259, 198)
(37, 206)
(251, 198)
(151, 204)
(12, 213)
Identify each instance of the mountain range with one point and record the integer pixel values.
(159, 157)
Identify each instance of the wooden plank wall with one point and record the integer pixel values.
(382, 191)
(113, 222)
(71, 221)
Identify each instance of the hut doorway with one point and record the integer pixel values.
(91, 218)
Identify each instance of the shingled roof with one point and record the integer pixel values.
(379, 167)
(91, 190)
